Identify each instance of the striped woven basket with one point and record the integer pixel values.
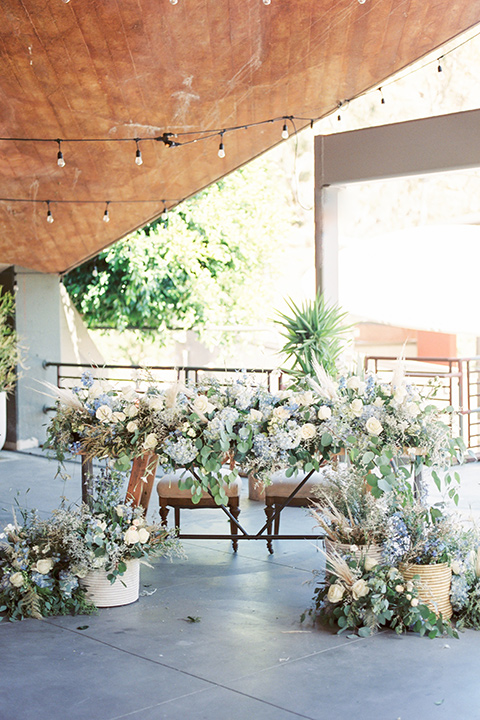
(125, 589)
(373, 551)
(434, 589)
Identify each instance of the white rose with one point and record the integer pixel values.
(379, 402)
(335, 593)
(128, 393)
(201, 405)
(305, 399)
(400, 394)
(374, 426)
(369, 563)
(414, 602)
(409, 586)
(308, 431)
(156, 403)
(120, 510)
(456, 567)
(16, 579)
(150, 442)
(119, 416)
(324, 412)
(143, 535)
(104, 413)
(353, 383)
(255, 415)
(399, 588)
(412, 409)
(360, 589)
(356, 406)
(44, 566)
(132, 411)
(132, 426)
(131, 536)
(96, 390)
(281, 413)
(102, 525)
(138, 522)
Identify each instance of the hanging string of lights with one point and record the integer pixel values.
(106, 215)
(173, 139)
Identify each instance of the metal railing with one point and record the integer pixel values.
(69, 374)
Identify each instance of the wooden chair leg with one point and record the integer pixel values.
(235, 510)
(277, 507)
(164, 514)
(269, 510)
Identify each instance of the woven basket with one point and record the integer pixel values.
(434, 587)
(125, 589)
(372, 551)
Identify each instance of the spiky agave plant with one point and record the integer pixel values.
(314, 332)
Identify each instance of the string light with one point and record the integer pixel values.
(164, 215)
(221, 147)
(138, 154)
(285, 131)
(173, 2)
(66, 1)
(60, 159)
(382, 101)
(49, 213)
(267, 2)
(439, 68)
(106, 215)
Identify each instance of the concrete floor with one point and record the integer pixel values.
(247, 656)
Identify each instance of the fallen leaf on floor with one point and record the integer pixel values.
(439, 702)
(283, 659)
(82, 627)
(192, 618)
(146, 593)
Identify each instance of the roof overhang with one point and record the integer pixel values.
(112, 70)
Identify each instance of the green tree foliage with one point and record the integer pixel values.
(211, 263)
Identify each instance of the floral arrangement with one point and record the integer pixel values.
(346, 510)
(380, 424)
(422, 535)
(359, 595)
(206, 426)
(42, 562)
(36, 579)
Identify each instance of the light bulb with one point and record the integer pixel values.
(173, 2)
(60, 160)
(66, 1)
(106, 216)
(221, 150)
(285, 131)
(267, 2)
(49, 216)
(138, 157)
(362, 2)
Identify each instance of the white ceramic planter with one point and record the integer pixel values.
(3, 418)
(125, 589)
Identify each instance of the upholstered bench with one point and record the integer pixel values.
(170, 495)
(280, 488)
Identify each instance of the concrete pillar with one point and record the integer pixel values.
(326, 243)
(37, 321)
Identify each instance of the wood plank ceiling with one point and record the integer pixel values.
(122, 69)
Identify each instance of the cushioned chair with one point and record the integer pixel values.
(280, 488)
(170, 495)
